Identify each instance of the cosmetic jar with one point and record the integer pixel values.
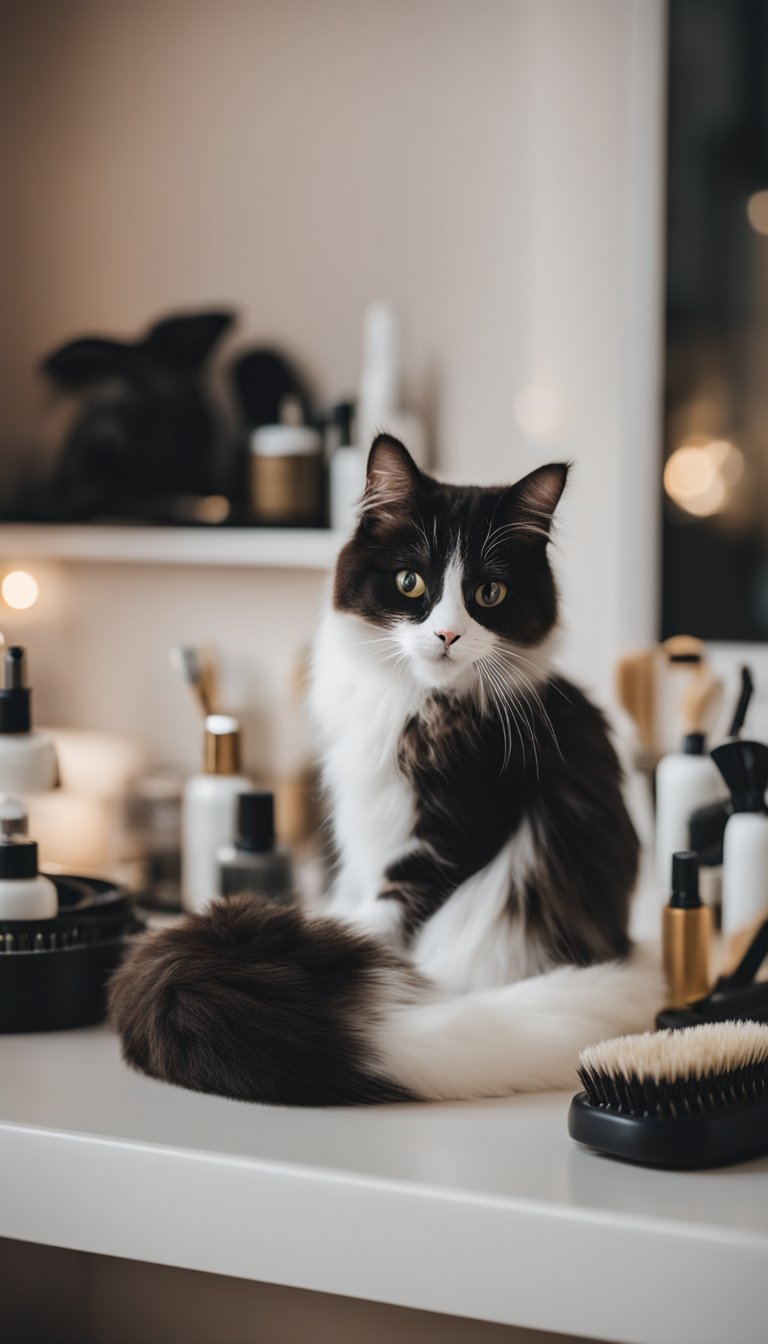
(285, 475)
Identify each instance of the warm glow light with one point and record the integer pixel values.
(729, 459)
(757, 211)
(19, 590)
(537, 410)
(699, 476)
(211, 509)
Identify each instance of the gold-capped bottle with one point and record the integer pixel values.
(686, 933)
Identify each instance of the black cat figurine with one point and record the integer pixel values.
(145, 432)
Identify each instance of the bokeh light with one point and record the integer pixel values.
(698, 477)
(19, 589)
(757, 211)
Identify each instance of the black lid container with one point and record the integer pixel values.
(54, 972)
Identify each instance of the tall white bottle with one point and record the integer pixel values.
(209, 811)
(379, 405)
(744, 767)
(685, 781)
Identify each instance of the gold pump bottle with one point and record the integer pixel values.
(686, 934)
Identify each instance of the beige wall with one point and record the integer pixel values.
(486, 164)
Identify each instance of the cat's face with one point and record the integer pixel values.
(453, 581)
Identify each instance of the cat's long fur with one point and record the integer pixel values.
(477, 934)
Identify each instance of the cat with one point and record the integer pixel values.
(477, 932)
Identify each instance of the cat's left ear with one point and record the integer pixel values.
(391, 479)
(533, 500)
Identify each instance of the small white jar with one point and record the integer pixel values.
(24, 893)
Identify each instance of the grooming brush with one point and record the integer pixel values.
(681, 1099)
(195, 666)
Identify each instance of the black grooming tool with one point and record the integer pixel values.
(54, 972)
(743, 702)
(680, 1099)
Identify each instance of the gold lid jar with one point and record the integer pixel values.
(285, 475)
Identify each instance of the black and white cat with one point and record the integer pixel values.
(476, 936)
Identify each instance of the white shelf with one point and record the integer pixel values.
(295, 548)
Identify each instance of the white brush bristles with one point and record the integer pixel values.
(710, 1049)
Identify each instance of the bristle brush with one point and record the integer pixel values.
(683, 1099)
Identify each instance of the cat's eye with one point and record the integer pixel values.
(490, 594)
(409, 583)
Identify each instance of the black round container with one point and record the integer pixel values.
(54, 972)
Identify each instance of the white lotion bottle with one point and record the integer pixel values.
(209, 811)
(685, 781)
(24, 892)
(744, 767)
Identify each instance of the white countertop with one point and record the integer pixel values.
(485, 1210)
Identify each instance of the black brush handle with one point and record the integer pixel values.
(687, 1143)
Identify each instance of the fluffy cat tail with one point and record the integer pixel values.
(261, 1003)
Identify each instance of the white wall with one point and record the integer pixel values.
(490, 165)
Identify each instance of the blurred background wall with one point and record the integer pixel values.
(491, 166)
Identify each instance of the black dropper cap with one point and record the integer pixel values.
(744, 767)
(255, 821)
(693, 744)
(341, 416)
(18, 858)
(685, 881)
(15, 695)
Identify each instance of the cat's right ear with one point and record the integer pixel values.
(391, 480)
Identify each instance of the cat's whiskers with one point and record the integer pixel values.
(522, 683)
(420, 528)
(521, 706)
(520, 703)
(499, 706)
(528, 687)
(500, 535)
(506, 706)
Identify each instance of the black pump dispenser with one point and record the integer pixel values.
(15, 695)
(255, 821)
(685, 881)
(744, 767)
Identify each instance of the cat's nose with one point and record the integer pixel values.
(448, 637)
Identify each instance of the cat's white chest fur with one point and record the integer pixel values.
(360, 705)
